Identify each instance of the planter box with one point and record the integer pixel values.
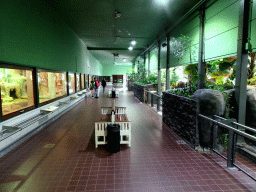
(139, 91)
(179, 114)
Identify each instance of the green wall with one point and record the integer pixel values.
(221, 29)
(221, 34)
(153, 59)
(109, 70)
(32, 34)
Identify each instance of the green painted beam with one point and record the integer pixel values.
(111, 48)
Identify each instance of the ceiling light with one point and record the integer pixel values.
(133, 42)
(117, 14)
(130, 48)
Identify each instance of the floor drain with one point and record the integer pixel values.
(49, 146)
(181, 142)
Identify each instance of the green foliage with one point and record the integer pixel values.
(218, 69)
(224, 140)
(151, 79)
(252, 81)
(173, 78)
(229, 108)
(212, 85)
(163, 76)
(187, 91)
(132, 75)
(191, 71)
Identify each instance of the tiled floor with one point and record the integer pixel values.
(158, 160)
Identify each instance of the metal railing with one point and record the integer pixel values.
(151, 98)
(233, 139)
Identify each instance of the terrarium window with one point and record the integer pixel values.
(86, 81)
(16, 90)
(71, 83)
(51, 85)
(82, 81)
(78, 82)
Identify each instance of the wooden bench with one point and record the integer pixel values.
(107, 118)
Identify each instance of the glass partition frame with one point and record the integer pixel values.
(78, 82)
(71, 83)
(52, 85)
(17, 90)
(82, 82)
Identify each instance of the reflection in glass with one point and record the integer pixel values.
(51, 85)
(82, 81)
(16, 89)
(78, 82)
(71, 83)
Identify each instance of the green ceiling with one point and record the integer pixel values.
(143, 20)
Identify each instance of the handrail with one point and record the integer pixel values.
(155, 94)
(230, 128)
(241, 125)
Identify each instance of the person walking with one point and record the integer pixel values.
(96, 88)
(92, 88)
(103, 83)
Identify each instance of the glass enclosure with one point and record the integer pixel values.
(78, 88)
(71, 83)
(86, 81)
(16, 90)
(51, 85)
(82, 82)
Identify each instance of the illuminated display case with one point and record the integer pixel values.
(71, 83)
(16, 90)
(78, 88)
(82, 82)
(86, 81)
(51, 85)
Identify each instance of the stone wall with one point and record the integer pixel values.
(179, 114)
(139, 91)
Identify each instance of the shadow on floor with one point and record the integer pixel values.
(101, 151)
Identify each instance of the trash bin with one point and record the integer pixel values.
(113, 138)
(113, 94)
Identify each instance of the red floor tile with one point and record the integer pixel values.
(154, 162)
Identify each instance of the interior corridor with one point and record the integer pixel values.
(62, 157)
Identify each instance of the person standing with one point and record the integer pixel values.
(92, 88)
(96, 88)
(103, 83)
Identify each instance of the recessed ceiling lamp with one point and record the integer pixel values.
(117, 14)
(130, 48)
(133, 42)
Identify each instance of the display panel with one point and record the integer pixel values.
(78, 88)
(82, 82)
(71, 83)
(16, 90)
(51, 85)
(86, 81)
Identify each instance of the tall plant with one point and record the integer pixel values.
(180, 46)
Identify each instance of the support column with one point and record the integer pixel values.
(67, 83)
(148, 62)
(168, 63)
(159, 75)
(36, 87)
(242, 60)
(201, 63)
(144, 58)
